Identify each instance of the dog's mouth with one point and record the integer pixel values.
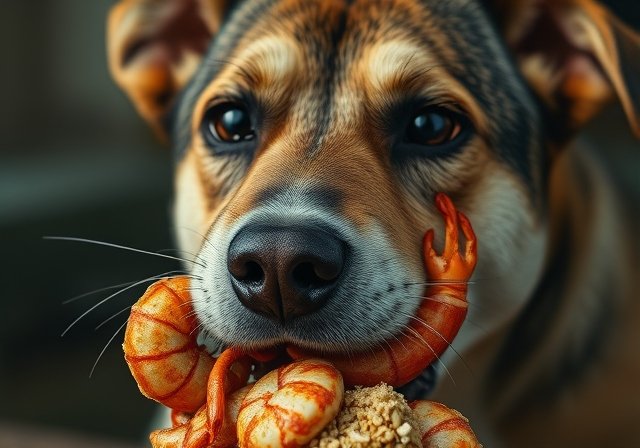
(413, 373)
(418, 388)
(403, 360)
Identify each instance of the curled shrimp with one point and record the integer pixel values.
(442, 427)
(171, 368)
(289, 406)
(160, 349)
(437, 320)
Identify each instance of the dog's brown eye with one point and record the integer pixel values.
(229, 123)
(434, 126)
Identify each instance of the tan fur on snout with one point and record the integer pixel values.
(348, 166)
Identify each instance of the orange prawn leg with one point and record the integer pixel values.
(451, 270)
(208, 426)
(441, 427)
(228, 435)
(226, 376)
(161, 350)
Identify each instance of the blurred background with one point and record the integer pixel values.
(75, 160)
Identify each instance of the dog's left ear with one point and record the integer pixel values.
(155, 46)
(576, 55)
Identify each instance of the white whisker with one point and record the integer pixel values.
(104, 322)
(106, 346)
(437, 333)
(423, 341)
(107, 288)
(398, 340)
(182, 252)
(196, 329)
(96, 291)
(442, 282)
(205, 239)
(434, 299)
(477, 325)
(155, 277)
(117, 246)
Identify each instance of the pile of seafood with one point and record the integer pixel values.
(217, 402)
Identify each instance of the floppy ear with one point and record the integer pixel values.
(155, 46)
(576, 55)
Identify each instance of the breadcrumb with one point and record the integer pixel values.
(372, 417)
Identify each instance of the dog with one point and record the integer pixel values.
(310, 137)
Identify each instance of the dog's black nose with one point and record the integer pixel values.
(284, 272)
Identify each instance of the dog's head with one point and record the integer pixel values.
(311, 136)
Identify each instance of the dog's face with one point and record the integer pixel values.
(310, 142)
(315, 138)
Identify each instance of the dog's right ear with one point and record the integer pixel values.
(155, 46)
(576, 55)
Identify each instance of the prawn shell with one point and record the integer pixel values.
(291, 405)
(442, 427)
(161, 350)
(405, 357)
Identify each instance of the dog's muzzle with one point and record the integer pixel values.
(285, 272)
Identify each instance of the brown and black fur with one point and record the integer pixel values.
(548, 347)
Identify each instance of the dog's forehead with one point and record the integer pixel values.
(322, 39)
(310, 49)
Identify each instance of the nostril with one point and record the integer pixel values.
(304, 275)
(254, 273)
(308, 275)
(247, 271)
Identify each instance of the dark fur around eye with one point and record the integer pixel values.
(229, 127)
(433, 131)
